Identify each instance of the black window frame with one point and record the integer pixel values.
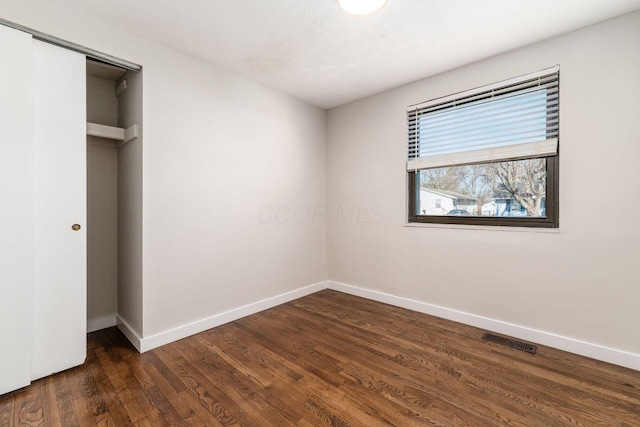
(549, 221)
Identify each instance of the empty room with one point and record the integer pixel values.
(319, 212)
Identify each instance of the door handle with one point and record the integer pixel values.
(76, 227)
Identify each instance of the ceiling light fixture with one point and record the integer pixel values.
(361, 7)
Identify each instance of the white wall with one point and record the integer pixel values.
(218, 149)
(580, 281)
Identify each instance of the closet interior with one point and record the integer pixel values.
(114, 195)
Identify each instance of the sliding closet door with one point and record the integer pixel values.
(16, 230)
(60, 257)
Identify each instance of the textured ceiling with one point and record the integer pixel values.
(311, 50)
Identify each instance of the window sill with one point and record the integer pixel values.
(510, 229)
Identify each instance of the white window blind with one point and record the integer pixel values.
(509, 120)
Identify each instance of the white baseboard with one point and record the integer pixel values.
(594, 351)
(102, 322)
(153, 341)
(132, 335)
(583, 348)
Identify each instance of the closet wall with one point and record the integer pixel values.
(130, 207)
(102, 210)
(114, 202)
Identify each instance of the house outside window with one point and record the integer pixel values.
(488, 156)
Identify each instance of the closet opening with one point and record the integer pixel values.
(114, 195)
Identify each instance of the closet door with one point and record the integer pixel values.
(60, 257)
(16, 229)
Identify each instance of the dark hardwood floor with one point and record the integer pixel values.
(328, 359)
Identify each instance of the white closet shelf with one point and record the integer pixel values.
(112, 132)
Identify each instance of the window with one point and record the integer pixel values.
(488, 156)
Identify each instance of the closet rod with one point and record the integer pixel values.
(90, 53)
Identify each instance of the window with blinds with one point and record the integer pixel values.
(489, 155)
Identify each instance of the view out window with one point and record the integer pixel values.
(487, 156)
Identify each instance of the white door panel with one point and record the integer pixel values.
(59, 292)
(16, 209)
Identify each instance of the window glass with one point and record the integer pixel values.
(499, 189)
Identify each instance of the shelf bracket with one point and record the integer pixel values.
(130, 134)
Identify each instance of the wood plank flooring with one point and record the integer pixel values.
(328, 359)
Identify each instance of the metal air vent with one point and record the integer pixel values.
(509, 342)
